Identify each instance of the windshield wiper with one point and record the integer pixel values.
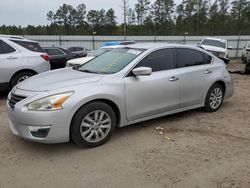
(88, 71)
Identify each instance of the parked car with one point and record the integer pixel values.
(245, 52)
(82, 60)
(114, 43)
(247, 66)
(20, 59)
(79, 51)
(58, 56)
(218, 47)
(121, 87)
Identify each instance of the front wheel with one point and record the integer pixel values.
(20, 77)
(93, 124)
(214, 98)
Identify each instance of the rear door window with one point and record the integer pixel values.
(5, 48)
(78, 49)
(32, 46)
(188, 57)
(72, 49)
(159, 60)
(207, 58)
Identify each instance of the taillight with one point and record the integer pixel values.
(45, 57)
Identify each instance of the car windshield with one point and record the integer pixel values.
(216, 43)
(111, 62)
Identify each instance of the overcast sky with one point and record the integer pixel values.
(33, 12)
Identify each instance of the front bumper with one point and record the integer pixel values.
(39, 126)
(229, 85)
(229, 89)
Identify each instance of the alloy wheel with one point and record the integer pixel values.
(95, 126)
(216, 97)
(22, 79)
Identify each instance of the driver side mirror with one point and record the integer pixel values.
(142, 71)
(230, 47)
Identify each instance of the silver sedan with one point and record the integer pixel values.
(121, 87)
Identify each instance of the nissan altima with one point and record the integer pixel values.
(121, 87)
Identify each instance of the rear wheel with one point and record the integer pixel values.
(20, 77)
(93, 124)
(214, 98)
(247, 69)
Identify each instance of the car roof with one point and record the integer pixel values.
(218, 39)
(18, 38)
(75, 47)
(54, 47)
(155, 45)
(12, 36)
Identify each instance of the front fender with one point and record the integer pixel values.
(93, 92)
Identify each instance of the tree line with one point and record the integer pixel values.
(162, 17)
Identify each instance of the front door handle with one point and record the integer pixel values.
(208, 72)
(11, 57)
(173, 79)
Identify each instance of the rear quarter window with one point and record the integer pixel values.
(32, 46)
(207, 58)
(5, 48)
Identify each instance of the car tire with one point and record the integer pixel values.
(226, 62)
(244, 61)
(20, 77)
(93, 124)
(214, 98)
(247, 69)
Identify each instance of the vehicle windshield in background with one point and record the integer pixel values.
(111, 62)
(213, 43)
(32, 46)
(99, 51)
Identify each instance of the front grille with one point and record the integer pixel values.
(215, 53)
(14, 99)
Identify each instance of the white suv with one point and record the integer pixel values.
(245, 52)
(20, 58)
(218, 47)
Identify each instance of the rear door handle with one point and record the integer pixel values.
(208, 72)
(11, 57)
(172, 79)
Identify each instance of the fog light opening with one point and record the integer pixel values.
(39, 131)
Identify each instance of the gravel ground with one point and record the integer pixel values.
(200, 150)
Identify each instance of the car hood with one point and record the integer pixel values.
(80, 61)
(58, 79)
(212, 48)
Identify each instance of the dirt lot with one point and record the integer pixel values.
(209, 150)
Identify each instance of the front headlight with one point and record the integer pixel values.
(222, 54)
(49, 103)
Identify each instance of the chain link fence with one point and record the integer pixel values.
(93, 42)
